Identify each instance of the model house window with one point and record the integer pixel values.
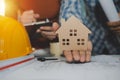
(65, 41)
(80, 41)
(73, 32)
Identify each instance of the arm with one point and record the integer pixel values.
(46, 31)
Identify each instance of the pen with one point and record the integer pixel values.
(46, 58)
(40, 23)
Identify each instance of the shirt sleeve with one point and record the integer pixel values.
(69, 8)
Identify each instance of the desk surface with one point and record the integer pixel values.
(102, 67)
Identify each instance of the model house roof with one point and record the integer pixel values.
(73, 23)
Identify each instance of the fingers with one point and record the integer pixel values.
(55, 26)
(88, 52)
(46, 28)
(88, 56)
(48, 31)
(28, 17)
(79, 56)
(49, 35)
(76, 56)
(36, 16)
(68, 55)
(82, 56)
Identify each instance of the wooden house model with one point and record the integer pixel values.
(73, 34)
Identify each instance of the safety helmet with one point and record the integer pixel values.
(14, 40)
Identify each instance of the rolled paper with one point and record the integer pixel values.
(110, 10)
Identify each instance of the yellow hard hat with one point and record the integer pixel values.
(14, 40)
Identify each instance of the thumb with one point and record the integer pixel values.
(36, 15)
(55, 26)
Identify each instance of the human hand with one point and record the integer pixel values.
(79, 56)
(28, 17)
(48, 31)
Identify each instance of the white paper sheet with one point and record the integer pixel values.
(101, 68)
